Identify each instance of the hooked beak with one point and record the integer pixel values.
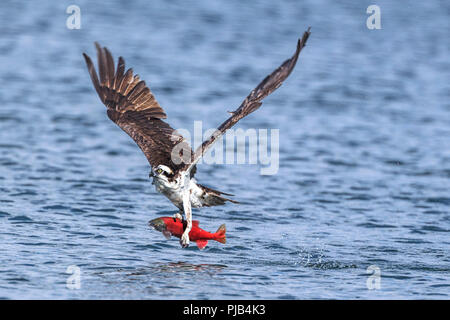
(158, 224)
(152, 175)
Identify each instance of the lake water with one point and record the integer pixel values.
(364, 167)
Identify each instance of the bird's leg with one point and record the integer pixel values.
(184, 241)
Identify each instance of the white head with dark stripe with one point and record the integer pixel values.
(161, 173)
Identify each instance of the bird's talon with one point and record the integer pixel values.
(184, 241)
(178, 216)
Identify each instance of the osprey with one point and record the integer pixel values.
(132, 106)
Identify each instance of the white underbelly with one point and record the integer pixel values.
(175, 195)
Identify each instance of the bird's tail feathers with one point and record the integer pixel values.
(214, 197)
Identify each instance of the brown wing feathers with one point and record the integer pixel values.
(121, 91)
(272, 82)
(132, 106)
(253, 100)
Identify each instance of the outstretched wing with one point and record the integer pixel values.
(132, 106)
(253, 101)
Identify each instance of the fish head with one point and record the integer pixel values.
(159, 224)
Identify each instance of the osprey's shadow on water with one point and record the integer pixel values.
(132, 106)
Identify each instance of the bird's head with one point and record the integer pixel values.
(161, 172)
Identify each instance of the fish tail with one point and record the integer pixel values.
(220, 234)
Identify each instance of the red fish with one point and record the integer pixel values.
(173, 226)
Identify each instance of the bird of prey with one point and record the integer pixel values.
(132, 106)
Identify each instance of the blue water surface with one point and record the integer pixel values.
(364, 158)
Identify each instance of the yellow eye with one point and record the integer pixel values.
(159, 171)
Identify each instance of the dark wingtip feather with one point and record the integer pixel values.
(121, 65)
(305, 37)
(110, 71)
(93, 74)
